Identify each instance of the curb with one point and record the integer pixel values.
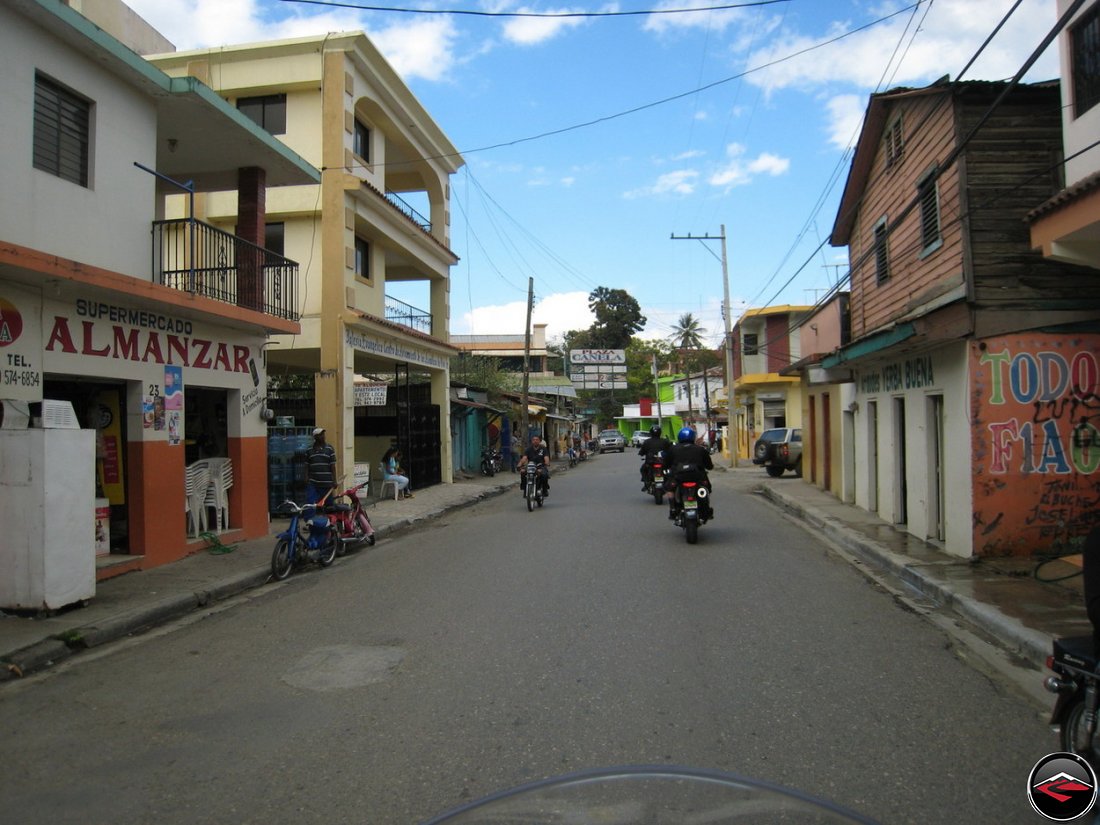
(1032, 645)
(48, 652)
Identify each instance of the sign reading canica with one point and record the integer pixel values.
(597, 356)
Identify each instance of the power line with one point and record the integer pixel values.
(557, 15)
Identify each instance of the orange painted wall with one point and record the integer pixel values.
(155, 488)
(1035, 412)
(248, 495)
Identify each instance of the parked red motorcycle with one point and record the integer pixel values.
(349, 520)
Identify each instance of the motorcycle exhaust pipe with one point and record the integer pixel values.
(1056, 685)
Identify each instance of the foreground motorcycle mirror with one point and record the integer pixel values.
(635, 795)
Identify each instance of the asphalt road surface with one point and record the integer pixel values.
(499, 646)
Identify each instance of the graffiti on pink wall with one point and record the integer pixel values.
(1035, 407)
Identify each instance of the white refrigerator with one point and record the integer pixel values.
(47, 518)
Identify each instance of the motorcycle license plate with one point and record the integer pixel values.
(691, 505)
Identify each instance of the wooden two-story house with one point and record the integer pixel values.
(972, 355)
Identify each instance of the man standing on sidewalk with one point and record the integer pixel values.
(320, 467)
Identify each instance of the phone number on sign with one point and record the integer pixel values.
(25, 378)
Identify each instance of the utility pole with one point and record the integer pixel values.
(727, 345)
(657, 390)
(525, 412)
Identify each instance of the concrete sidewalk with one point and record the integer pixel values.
(1001, 598)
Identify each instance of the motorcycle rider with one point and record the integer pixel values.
(537, 453)
(688, 461)
(651, 448)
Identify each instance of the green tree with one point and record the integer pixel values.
(687, 333)
(618, 317)
(639, 365)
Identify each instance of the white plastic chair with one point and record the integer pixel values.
(217, 493)
(383, 481)
(197, 482)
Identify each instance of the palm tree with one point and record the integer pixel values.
(687, 335)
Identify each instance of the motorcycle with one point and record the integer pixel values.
(349, 519)
(1075, 665)
(309, 538)
(532, 486)
(692, 503)
(1077, 683)
(655, 478)
(650, 794)
(491, 462)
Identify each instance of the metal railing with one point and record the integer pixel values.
(196, 257)
(401, 313)
(409, 212)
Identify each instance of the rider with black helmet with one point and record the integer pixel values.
(688, 461)
(650, 449)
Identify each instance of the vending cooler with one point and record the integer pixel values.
(47, 518)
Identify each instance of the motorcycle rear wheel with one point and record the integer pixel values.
(1072, 734)
(691, 529)
(658, 496)
(282, 560)
(328, 552)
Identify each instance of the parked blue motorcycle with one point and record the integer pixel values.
(308, 539)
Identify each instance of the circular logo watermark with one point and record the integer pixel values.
(1062, 787)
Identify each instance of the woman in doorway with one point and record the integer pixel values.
(393, 471)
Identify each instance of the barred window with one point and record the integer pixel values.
(882, 255)
(751, 344)
(928, 194)
(1085, 51)
(61, 131)
(895, 148)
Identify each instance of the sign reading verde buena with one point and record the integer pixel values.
(393, 350)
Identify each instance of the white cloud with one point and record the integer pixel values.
(947, 38)
(739, 172)
(528, 31)
(681, 182)
(560, 311)
(845, 117)
(423, 48)
(710, 20)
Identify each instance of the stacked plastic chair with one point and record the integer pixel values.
(197, 485)
(217, 492)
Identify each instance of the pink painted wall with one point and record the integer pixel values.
(1035, 418)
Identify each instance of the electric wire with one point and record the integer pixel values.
(554, 15)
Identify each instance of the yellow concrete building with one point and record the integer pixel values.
(380, 215)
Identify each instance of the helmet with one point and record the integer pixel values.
(686, 436)
(654, 431)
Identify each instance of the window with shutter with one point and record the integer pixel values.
(62, 123)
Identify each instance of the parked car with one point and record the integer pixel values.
(778, 450)
(612, 440)
(639, 438)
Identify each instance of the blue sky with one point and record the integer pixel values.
(739, 117)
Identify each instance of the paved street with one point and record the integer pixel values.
(497, 646)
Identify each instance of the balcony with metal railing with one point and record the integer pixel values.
(398, 312)
(195, 257)
(405, 209)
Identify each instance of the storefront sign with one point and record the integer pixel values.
(370, 395)
(20, 344)
(393, 350)
(597, 356)
(911, 374)
(121, 334)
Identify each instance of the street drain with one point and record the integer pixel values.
(340, 667)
